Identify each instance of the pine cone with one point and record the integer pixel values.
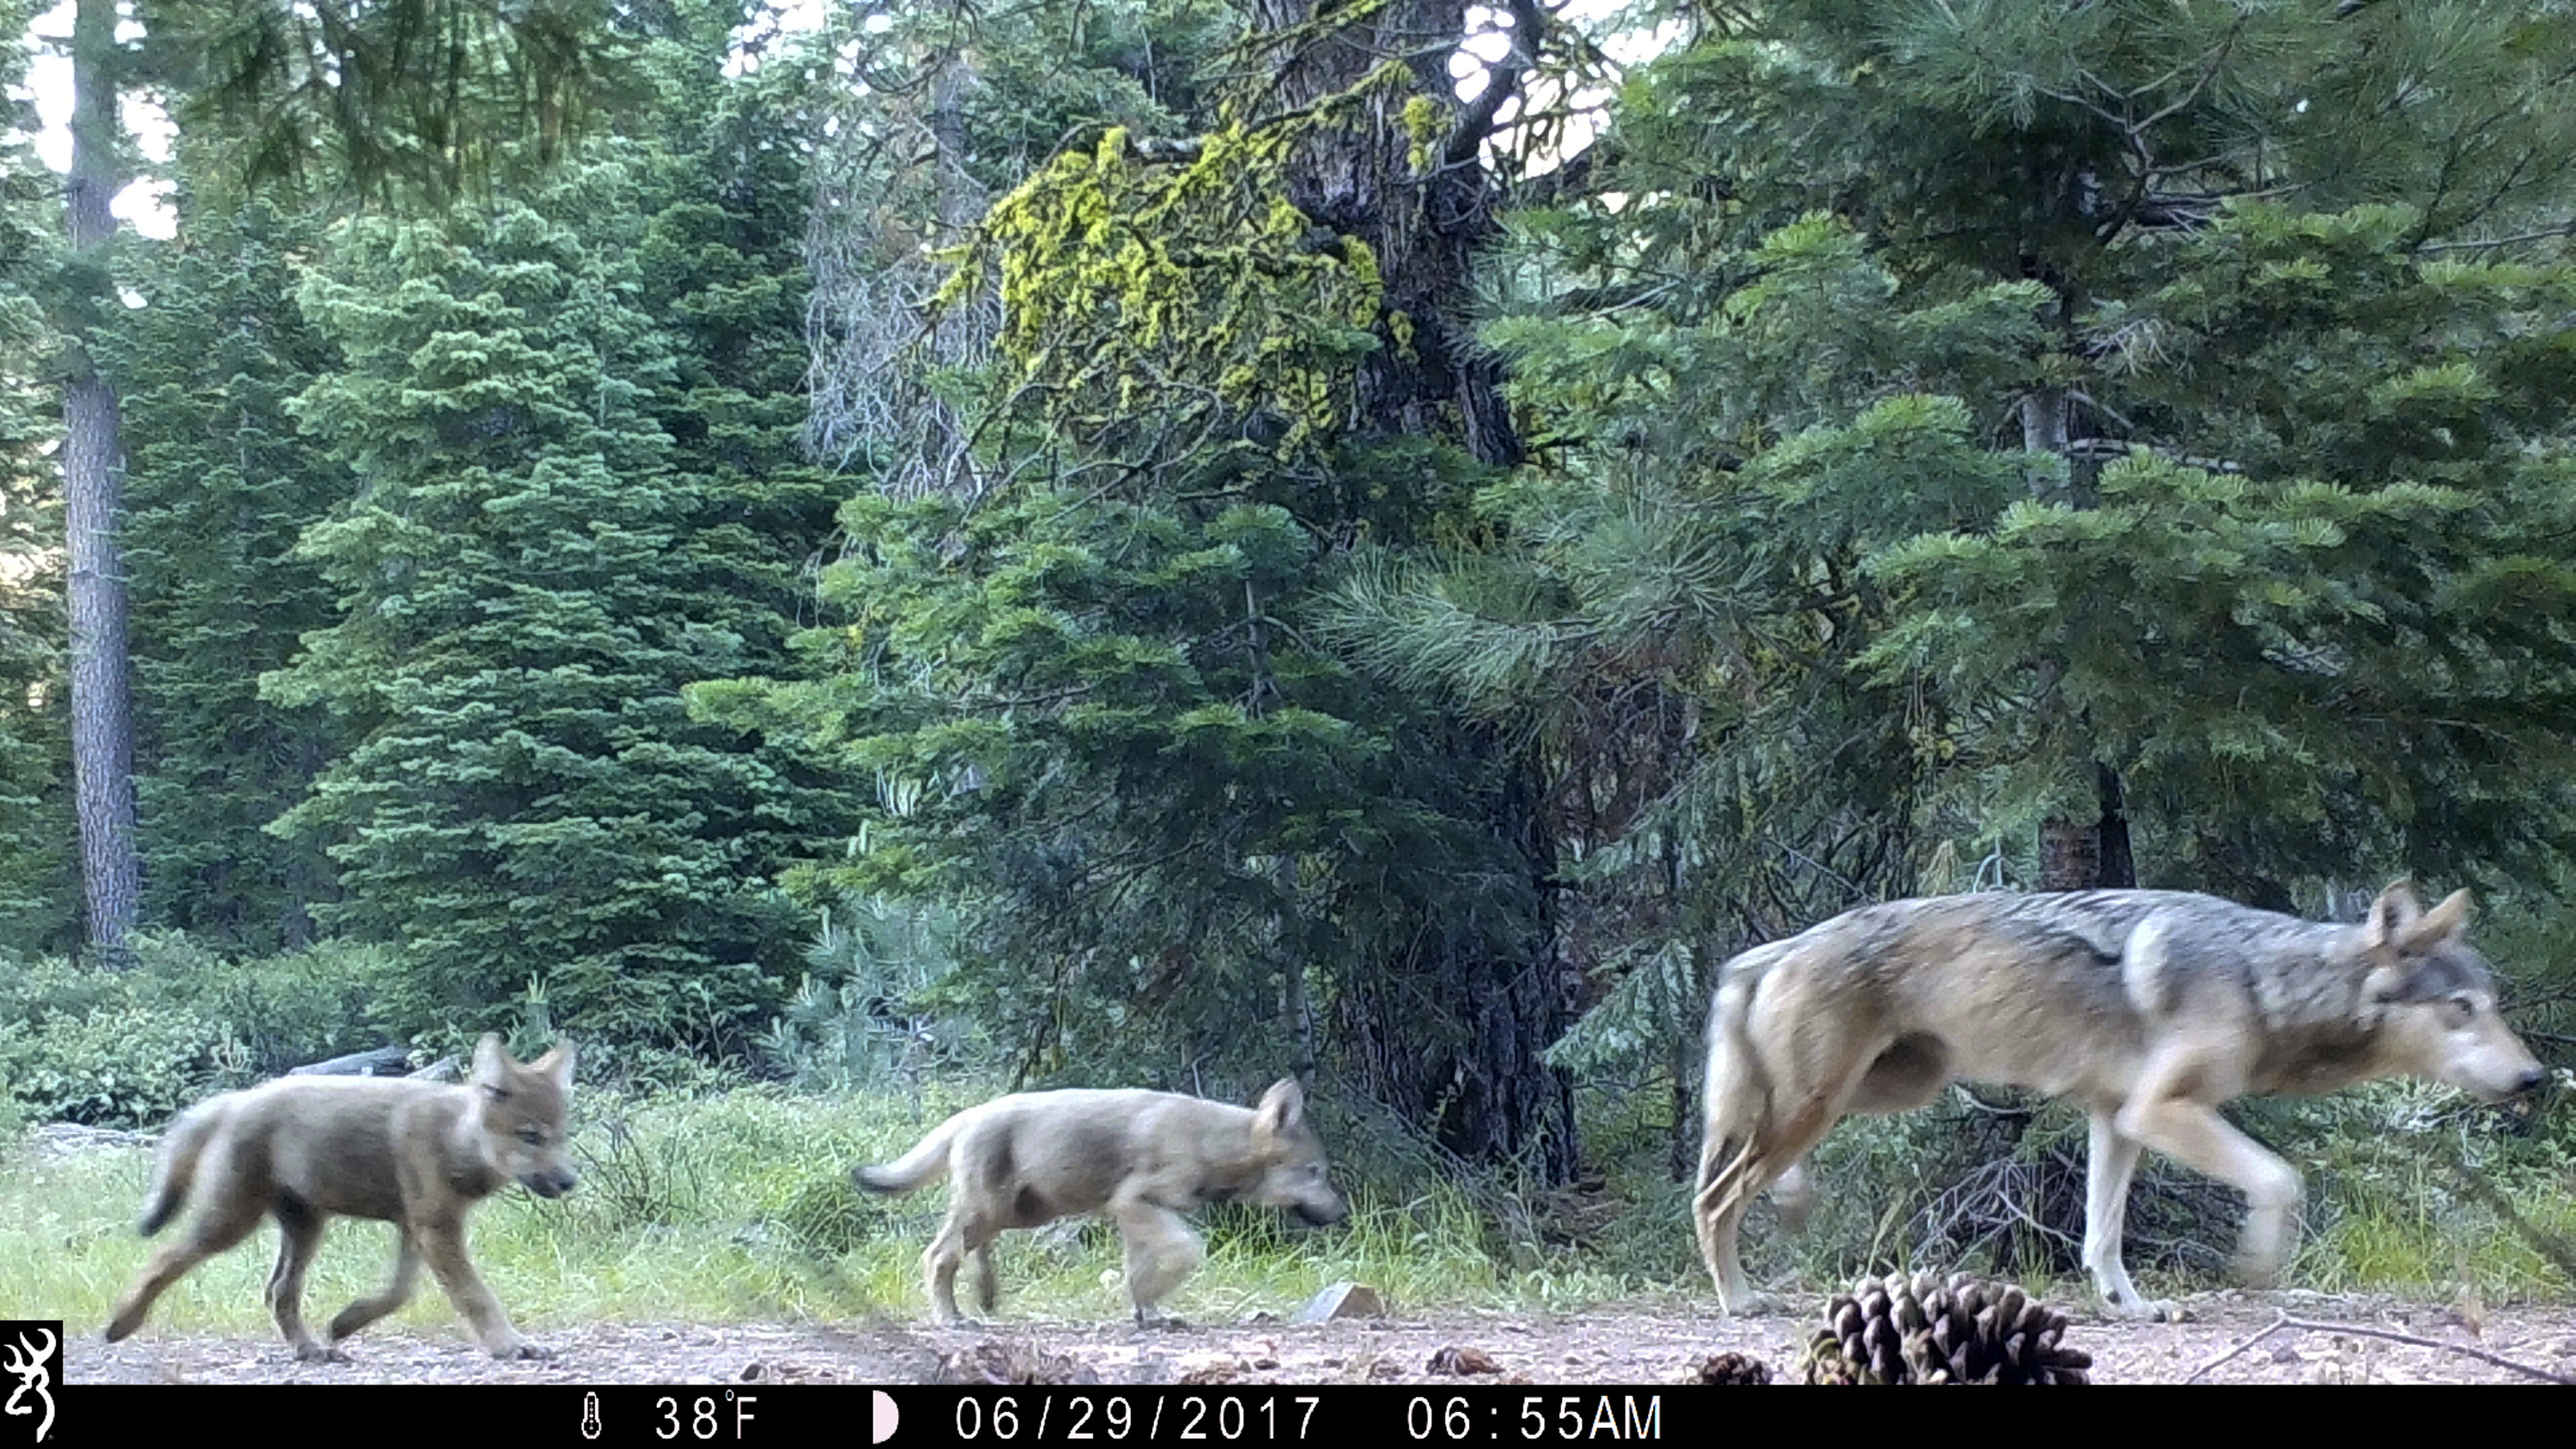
(1919, 1330)
(1734, 1368)
(1823, 1363)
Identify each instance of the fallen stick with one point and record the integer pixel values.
(2305, 1325)
(2242, 1344)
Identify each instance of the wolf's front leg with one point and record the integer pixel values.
(442, 1242)
(2191, 1131)
(2111, 1162)
(1160, 1250)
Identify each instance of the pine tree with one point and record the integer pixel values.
(2001, 431)
(1079, 666)
(421, 96)
(220, 486)
(521, 597)
(39, 858)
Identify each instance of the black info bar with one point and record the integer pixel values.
(524, 1416)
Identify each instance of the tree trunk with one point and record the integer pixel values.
(1358, 179)
(93, 484)
(1450, 1032)
(2076, 853)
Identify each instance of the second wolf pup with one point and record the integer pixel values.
(1139, 1158)
(416, 1154)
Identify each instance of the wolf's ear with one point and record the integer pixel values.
(491, 1063)
(2394, 914)
(556, 1064)
(2442, 922)
(1282, 1107)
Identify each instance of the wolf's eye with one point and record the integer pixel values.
(2460, 1008)
(532, 1136)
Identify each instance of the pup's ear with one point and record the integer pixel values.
(2394, 914)
(1282, 1107)
(491, 1063)
(556, 1064)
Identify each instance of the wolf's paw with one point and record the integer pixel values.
(1755, 1305)
(1163, 1323)
(2257, 1269)
(317, 1353)
(523, 1349)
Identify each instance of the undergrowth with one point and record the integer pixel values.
(736, 1205)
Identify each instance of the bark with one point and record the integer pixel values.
(1449, 1032)
(1358, 179)
(2078, 853)
(93, 488)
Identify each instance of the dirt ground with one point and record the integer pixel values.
(1606, 1346)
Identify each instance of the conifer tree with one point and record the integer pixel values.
(220, 485)
(1997, 432)
(1229, 343)
(522, 596)
(39, 856)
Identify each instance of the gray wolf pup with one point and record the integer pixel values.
(2151, 1008)
(415, 1154)
(1138, 1158)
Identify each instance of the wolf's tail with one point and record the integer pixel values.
(174, 1171)
(1735, 1095)
(1731, 1098)
(916, 1168)
(1735, 1102)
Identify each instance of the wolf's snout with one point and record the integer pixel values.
(1322, 1217)
(550, 1184)
(2531, 1081)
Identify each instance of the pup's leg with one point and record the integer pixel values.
(966, 1234)
(988, 1286)
(231, 1210)
(442, 1241)
(1160, 1250)
(299, 1234)
(397, 1293)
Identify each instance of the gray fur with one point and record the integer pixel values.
(1139, 1158)
(2151, 1008)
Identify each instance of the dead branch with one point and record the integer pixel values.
(2305, 1325)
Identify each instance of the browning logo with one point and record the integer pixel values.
(31, 1352)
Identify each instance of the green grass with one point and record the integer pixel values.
(729, 1208)
(738, 1207)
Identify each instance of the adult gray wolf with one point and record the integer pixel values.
(415, 1154)
(1138, 1158)
(2151, 1008)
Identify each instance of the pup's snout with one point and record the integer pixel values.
(2531, 1081)
(1322, 1217)
(551, 1184)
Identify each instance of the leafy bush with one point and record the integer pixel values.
(130, 1048)
(131, 1065)
(870, 1015)
(288, 1009)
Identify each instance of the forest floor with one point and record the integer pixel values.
(1602, 1346)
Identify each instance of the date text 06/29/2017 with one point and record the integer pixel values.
(1483, 1414)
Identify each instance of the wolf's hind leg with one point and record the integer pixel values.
(299, 1235)
(397, 1293)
